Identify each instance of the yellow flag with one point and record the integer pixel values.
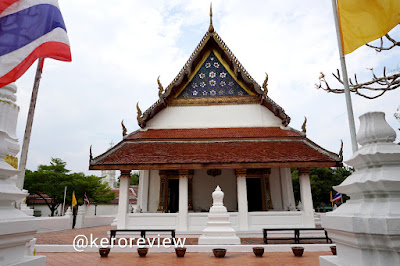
(362, 21)
(74, 202)
(331, 199)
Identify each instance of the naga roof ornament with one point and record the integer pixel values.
(160, 87)
(265, 85)
(303, 127)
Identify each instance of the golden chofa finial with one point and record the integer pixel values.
(211, 27)
(123, 129)
(90, 153)
(160, 87)
(139, 113)
(303, 127)
(341, 150)
(265, 84)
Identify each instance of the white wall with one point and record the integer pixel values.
(276, 189)
(102, 209)
(45, 210)
(154, 191)
(215, 116)
(204, 185)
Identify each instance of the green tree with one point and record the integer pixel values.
(134, 179)
(322, 180)
(51, 180)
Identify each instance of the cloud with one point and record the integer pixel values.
(120, 48)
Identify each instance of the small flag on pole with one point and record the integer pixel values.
(86, 199)
(331, 198)
(337, 197)
(30, 30)
(74, 202)
(362, 21)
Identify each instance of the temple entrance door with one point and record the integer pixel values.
(173, 196)
(254, 194)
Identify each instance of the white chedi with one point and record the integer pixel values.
(366, 228)
(219, 229)
(16, 228)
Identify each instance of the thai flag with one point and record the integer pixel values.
(337, 197)
(86, 200)
(30, 29)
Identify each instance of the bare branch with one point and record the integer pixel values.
(377, 85)
(381, 47)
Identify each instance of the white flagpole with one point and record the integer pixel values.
(63, 206)
(350, 114)
(28, 128)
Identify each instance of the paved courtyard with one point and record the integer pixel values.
(270, 258)
(132, 258)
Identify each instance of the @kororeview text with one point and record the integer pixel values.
(81, 242)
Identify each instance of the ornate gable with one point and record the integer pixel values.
(183, 91)
(212, 80)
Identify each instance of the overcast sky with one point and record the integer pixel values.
(119, 49)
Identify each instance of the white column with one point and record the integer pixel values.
(183, 199)
(287, 189)
(306, 197)
(123, 201)
(143, 193)
(242, 200)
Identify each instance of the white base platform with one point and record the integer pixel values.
(329, 261)
(194, 248)
(31, 261)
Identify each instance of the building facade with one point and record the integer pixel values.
(214, 125)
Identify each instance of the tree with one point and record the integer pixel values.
(134, 181)
(322, 180)
(373, 88)
(51, 180)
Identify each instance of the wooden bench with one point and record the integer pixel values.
(296, 237)
(113, 232)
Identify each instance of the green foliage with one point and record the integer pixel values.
(322, 180)
(134, 179)
(52, 179)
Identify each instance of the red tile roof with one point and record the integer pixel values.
(214, 133)
(202, 147)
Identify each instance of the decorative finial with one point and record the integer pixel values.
(211, 27)
(90, 153)
(341, 151)
(160, 87)
(123, 129)
(303, 127)
(139, 113)
(265, 84)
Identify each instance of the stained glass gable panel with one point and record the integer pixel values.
(212, 80)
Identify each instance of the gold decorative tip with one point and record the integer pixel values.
(123, 129)
(211, 27)
(265, 84)
(321, 76)
(90, 153)
(160, 87)
(303, 127)
(341, 150)
(139, 113)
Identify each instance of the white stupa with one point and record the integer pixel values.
(109, 175)
(219, 229)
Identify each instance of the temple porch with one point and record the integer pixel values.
(180, 199)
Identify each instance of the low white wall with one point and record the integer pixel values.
(98, 220)
(49, 224)
(152, 221)
(102, 209)
(274, 219)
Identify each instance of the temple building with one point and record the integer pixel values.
(214, 125)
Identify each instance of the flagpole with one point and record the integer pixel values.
(349, 105)
(28, 128)
(65, 194)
